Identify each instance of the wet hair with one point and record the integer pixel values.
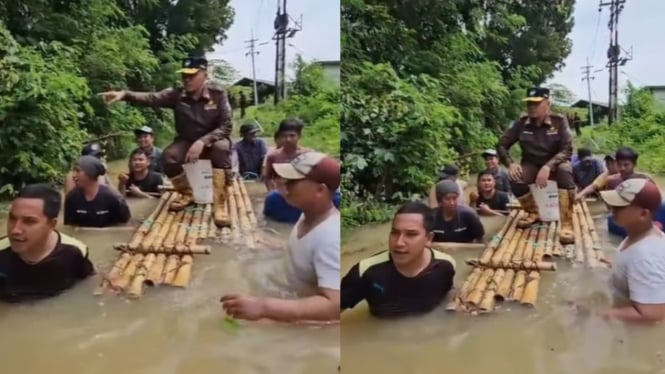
(291, 125)
(49, 195)
(626, 154)
(139, 151)
(416, 207)
(583, 152)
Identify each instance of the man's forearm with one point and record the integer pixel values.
(629, 314)
(215, 135)
(313, 308)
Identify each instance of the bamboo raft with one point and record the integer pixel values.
(509, 268)
(162, 249)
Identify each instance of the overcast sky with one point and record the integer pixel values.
(639, 27)
(319, 39)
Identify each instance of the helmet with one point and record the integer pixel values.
(93, 149)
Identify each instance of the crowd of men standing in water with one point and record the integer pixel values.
(412, 277)
(39, 261)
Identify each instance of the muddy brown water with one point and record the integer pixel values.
(549, 339)
(167, 331)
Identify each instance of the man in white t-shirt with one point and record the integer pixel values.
(638, 272)
(313, 246)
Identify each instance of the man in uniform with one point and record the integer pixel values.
(547, 146)
(203, 128)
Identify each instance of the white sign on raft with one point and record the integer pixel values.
(547, 201)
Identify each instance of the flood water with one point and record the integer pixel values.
(549, 339)
(168, 330)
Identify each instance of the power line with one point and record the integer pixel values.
(595, 35)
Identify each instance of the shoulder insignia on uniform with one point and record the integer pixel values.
(377, 259)
(5, 243)
(215, 86)
(66, 239)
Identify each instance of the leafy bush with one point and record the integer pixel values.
(312, 99)
(640, 127)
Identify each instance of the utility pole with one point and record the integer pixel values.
(586, 71)
(252, 52)
(282, 32)
(614, 55)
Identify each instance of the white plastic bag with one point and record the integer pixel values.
(199, 175)
(547, 201)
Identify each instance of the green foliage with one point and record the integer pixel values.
(55, 55)
(312, 99)
(640, 127)
(40, 111)
(427, 81)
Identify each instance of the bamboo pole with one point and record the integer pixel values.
(526, 265)
(248, 204)
(521, 242)
(579, 246)
(155, 274)
(113, 274)
(487, 302)
(136, 287)
(184, 272)
(243, 219)
(505, 286)
(592, 227)
(233, 216)
(170, 269)
(160, 237)
(151, 236)
(147, 223)
(502, 238)
(558, 248)
(549, 248)
(129, 272)
(539, 248)
(475, 296)
(530, 295)
(510, 248)
(518, 286)
(182, 231)
(194, 228)
(585, 240)
(205, 222)
(169, 242)
(196, 249)
(463, 292)
(212, 228)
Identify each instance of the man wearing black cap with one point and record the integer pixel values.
(587, 169)
(91, 204)
(92, 149)
(547, 147)
(145, 138)
(203, 129)
(250, 151)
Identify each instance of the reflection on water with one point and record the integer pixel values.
(168, 330)
(545, 340)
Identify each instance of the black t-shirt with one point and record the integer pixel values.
(498, 201)
(150, 183)
(60, 270)
(106, 209)
(391, 294)
(464, 228)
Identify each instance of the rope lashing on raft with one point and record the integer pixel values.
(162, 248)
(509, 269)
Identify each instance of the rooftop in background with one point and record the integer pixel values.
(585, 104)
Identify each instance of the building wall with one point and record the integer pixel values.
(332, 72)
(659, 95)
